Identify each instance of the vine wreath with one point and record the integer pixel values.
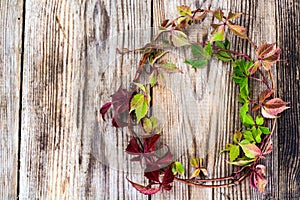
(250, 144)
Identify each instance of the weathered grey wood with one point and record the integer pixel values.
(205, 120)
(10, 66)
(288, 75)
(70, 69)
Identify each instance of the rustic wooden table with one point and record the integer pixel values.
(58, 65)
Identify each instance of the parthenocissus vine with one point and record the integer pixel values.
(251, 143)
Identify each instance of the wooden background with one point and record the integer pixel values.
(58, 65)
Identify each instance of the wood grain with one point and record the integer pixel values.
(288, 75)
(70, 68)
(10, 67)
(208, 103)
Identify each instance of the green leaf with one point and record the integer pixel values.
(223, 56)
(141, 86)
(237, 137)
(154, 122)
(219, 35)
(234, 152)
(257, 134)
(179, 168)
(242, 162)
(251, 150)
(142, 110)
(169, 67)
(179, 39)
(208, 49)
(147, 125)
(248, 136)
(237, 79)
(243, 95)
(136, 101)
(227, 148)
(246, 119)
(259, 120)
(153, 79)
(245, 141)
(174, 170)
(198, 51)
(264, 130)
(196, 63)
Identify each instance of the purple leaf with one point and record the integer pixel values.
(168, 177)
(152, 175)
(133, 147)
(144, 189)
(116, 122)
(149, 143)
(104, 109)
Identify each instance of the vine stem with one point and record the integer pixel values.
(236, 182)
(252, 43)
(260, 80)
(234, 52)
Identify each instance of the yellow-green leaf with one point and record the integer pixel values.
(234, 152)
(136, 101)
(195, 173)
(184, 10)
(238, 30)
(141, 111)
(219, 35)
(232, 16)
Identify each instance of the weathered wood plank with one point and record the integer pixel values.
(288, 74)
(205, 97)
(10, 66)
(70, 69)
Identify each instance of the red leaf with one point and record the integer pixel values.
(104, 109)
(267, 55)
(143, 189)
(264, 49)
(133, 147)
(257, 178)
(219, 14)
(167, 187)
(254, 67)
(232, 16)
(168, 177)
(165, 159)
(149, 143)
(269, 148)
(238, 30)
(152, 175)
(251, 150)
(121, 100)
(116, 122)
(273, 107)
(265, 94)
